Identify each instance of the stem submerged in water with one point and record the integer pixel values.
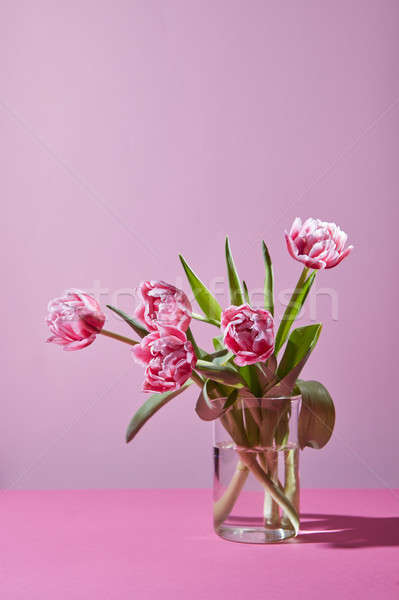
(291, 486)
(223, 507)
(249, 459)
(271, 510)
(259, 435)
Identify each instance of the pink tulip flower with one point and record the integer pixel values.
(74, 320)
(163, 304)
(317, 244)
(169, 359)
(248, 333)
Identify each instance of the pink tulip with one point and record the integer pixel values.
(74, 320)
(163, 304)
(317, 244)
(169, 359)
(248, 333)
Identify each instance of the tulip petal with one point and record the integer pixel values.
(340, 258)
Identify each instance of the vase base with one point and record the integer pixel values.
(254, 535)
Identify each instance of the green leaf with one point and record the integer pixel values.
(203, 296)
(210, 402)
(205, 412)
(267, 371)
(224, 359)
(218, 343)
(222, 374)
(285, 386)
(236, 295)
(205, 393)
(232, 397)
(199, 352)
(317, 416)
(269, 280)
(232, 421)
(149, 408)
(135, 325)
(297, 300)
(250, 375)
(221, 357)
(300, 344)
(246, 294)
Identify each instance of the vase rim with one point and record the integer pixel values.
(250, 396)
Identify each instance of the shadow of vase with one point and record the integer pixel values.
(347, 531)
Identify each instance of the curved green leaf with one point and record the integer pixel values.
(220, 373)
(249, 374)
(268, 289)
(149, 408)
(285, 386)
(236, 294)
(246, 293)
(291, 312)
(203, 296)
(223, 354)
(317, 416)
(232, 397)
(207, 408)
(300, 344)
(135, 325)
(199, 352)
(218, 343)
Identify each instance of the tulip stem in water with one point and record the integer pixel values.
(223, 507)
(120, 338)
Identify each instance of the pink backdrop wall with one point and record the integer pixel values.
(131, 131)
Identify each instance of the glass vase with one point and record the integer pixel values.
(256, 470)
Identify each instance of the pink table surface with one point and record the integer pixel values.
(151, 544)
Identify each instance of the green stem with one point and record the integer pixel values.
(237, 431)
(302, 277)
(291, 485)
(120, 338)
(205, 319)
(223, 507)
(283, 330)
(271, 510)
(249, 459)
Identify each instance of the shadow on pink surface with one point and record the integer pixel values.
(344, 531)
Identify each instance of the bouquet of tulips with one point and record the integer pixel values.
(244, 362)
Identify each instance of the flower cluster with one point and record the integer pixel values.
(164, 314)
(166, 352)
(241, 372)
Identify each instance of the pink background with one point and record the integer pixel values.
(132, 131)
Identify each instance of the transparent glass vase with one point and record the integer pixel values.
(256, 470)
